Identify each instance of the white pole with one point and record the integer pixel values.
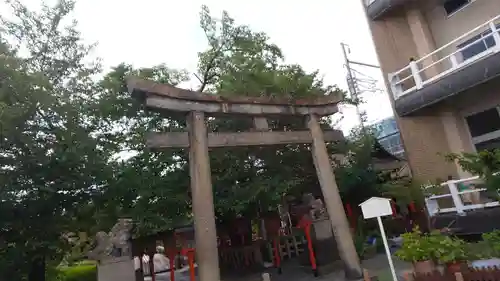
(387, 251)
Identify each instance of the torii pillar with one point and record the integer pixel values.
(196, 105)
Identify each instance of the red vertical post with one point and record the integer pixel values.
(412, 215)
(277, 257)
(172, 264)
(413, 209)
(306, 225)
(273, 226)
(350, 215)
(348, 210)
(190, 252)
(191, 264)
(393, 206)
(312, 257)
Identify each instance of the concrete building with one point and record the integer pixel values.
(441, 62)
(387, 134)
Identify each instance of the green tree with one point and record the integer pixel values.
(485, 164)
(242, 62)
(50, 163)
(150, 187)
(356, 174)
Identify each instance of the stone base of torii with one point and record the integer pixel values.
(197, 106)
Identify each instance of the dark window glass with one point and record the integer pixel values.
(484, 122)
(488, 145)
(478, 47)
(451, 6)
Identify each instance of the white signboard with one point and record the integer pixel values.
(377, 207)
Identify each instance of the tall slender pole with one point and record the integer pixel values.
(350, 80)
(387, 250)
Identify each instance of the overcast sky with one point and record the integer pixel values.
(150, 32)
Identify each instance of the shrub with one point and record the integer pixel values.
(83, 272)
(451, 250)
(492, 239)
(418, 247)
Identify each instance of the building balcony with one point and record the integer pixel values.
(469, 60)
(377, 8)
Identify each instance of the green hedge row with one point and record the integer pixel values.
(84, 272)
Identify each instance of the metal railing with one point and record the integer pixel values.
(456, 197)
(446, 59)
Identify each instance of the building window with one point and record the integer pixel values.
(451, 6)
(392, 144)
(471, 49)
(484, 128)
(484, 122)
(393, 125)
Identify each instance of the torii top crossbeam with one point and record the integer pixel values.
(168, 98)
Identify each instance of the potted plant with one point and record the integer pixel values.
(419, 249)
(451, 252)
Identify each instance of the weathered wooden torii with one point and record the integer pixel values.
(196, 105)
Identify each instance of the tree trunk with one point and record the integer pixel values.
(37, 269)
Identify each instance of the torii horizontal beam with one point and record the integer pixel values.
(168, 98)
(181, 139)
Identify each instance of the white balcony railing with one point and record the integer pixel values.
(456, 204)
(472, 46)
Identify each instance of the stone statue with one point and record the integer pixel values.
(317, 210)
(114, 244)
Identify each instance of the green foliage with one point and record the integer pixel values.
(356, 175)
(84, 272)
(360, 238)
(405, 191)
(418, 246)
(485, 164)
(492, 239)
(450, 249)
(479, 251)
(487, 248)
(50, 163)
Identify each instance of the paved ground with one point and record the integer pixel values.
(378, 265)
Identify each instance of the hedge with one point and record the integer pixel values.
(83, 272)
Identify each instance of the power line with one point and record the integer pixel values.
(355, 84)
(351, 83)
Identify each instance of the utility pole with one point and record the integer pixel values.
(351, 83)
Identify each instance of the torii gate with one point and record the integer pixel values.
(169, 99)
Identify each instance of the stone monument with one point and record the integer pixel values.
(113, 253)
